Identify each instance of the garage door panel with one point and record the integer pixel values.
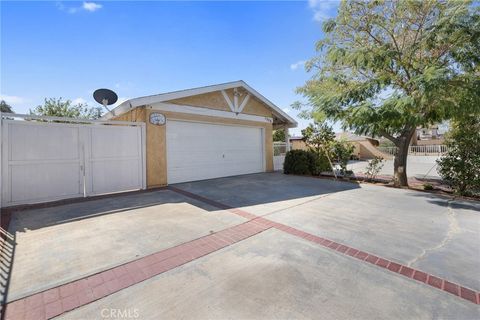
(206, 157)
(44, 181)
(209, 172)
(197, 151)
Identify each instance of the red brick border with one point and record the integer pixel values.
(417, 275)
(58, 300)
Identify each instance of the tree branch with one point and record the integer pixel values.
(388, 136)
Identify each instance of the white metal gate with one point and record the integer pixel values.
(45, 161)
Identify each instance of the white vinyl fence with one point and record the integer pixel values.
(50, 158)
(279, 151)
(428, 149)
(418, 150)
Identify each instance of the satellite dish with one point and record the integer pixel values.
(105, 97)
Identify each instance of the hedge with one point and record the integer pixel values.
(305, 163)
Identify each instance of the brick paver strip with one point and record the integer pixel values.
(64, 298)
(55, 301)
(417, 275)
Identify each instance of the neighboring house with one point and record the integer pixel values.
(365, 147)
(297, 143)
(207, 132)
(428, 136)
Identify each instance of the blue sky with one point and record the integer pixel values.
(68, 49)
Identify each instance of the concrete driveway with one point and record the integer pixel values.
(418, 166)
(251, 247)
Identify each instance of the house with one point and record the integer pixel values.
(365, 147)
(297, 143)
(207, 132)
(432, 135)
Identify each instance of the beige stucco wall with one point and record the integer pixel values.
(357, 150)
(156, 161)
(156, 153)
(369, 151)
(429, 142)
(298, 145)
(215, 100)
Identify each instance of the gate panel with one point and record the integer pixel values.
(40, 162)
(115, 159)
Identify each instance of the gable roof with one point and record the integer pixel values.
(148, 100)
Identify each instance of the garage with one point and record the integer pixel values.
(198, 151)
(204, 133)
(148, 142)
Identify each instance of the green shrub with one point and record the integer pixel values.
(427, 186)
(374, 167)
(321, 164)
(342, 151)
(460, 166)
(305, 162)
(298, 162)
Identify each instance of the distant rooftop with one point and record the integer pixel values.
(351, 136)
(296, 138)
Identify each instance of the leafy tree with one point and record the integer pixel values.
(4, 107)
(460, 166)
(279, 135)
(342, 151)
(386, 67)
(64, 108)
(318, 136)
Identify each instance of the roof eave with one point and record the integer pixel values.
(148, 100)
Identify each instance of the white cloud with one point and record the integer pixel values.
(323, 9)
(78, 101)
(286, 110)
(86, 6)
(296, 65)
(91, 6)
(90, 103)
(12, 99)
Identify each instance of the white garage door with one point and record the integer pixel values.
(197, 151)
(44, 161)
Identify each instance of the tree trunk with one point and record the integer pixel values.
(400, 165)
(400, 162)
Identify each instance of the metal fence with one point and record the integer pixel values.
(428, 149)
(418, 150)
(388, 150)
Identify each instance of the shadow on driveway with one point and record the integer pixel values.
(263, 188)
